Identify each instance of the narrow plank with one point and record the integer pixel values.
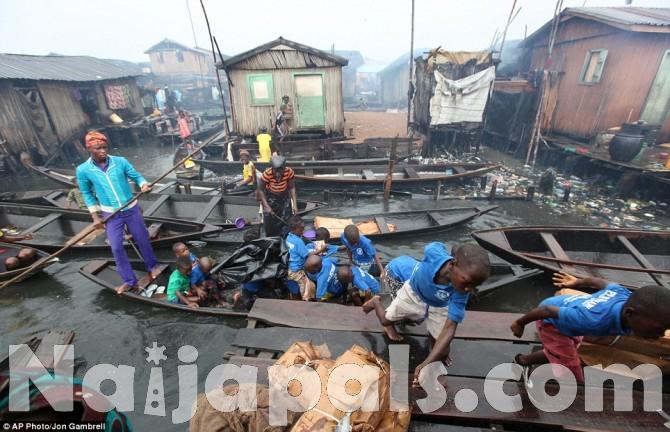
(146, 279)
(573, 417)
(472, 358)
(208, 208)
(153, 208)
(411, 172)
(381, 223)
(641, 259)
(45, 350)
(368, 174)
(95, 266)
(42, 223)
(477, 325)
(154, 230)
(556, 250)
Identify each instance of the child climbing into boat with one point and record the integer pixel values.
(361, 251)
(297, 254)
(331, 281)
(202, 283)
(364, 285)
(438, 293)
(562, 321)
(398, 271)
(321, 241)
(180, 249)
(179, 284)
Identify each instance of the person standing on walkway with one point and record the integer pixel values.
(277, 195)
(103, 181)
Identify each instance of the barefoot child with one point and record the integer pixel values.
(297, 254)
(438, 292)
(179, 284)
(562, 321)
(365, 285)
(361, 251)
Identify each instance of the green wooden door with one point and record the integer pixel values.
(658, 102)
(309, 95)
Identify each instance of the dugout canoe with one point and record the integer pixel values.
(11, 250)
(223, 168)
(633, 258)
(404, 176)
(103, 273)
(52, 227)
(65, 177)
(387, 225)
(214, 210)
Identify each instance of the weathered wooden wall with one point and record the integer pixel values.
(248, 119)
(66, 113)
(632, 61)
(194, 63)
(17, 127)
(278, 58)
(393, 87)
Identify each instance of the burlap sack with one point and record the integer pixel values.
(394, 422)
(303, 352)
(324, 416)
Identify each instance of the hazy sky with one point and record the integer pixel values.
(380, 29)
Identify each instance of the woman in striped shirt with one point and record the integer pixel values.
(277, 195)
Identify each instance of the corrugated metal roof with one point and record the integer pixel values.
(626, 15)
(64, 68)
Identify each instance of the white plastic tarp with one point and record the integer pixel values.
(462, 100)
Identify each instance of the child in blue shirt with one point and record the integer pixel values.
(398, 271)
(365, 285)
(438, 292)
(331, 281)
(297, 254)
(562, 321)
(361, 251)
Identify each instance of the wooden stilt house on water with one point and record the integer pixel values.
(45, 101)
(311, 78)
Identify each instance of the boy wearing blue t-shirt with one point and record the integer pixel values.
(297, 254)
(361, 251)
(438, 292)
(562, 321)
(365, 285)
(398, 271)
(331, 281)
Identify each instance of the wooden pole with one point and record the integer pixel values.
(218, 76)
(389, 175)
(411, 70)
(90, 228)
(509, 21)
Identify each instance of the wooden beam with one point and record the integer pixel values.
(368, 174)
(208, 208)
(381, 223)
(556, 250)
(42, 223)
(153, 208)
(411, 172)
(641, 259)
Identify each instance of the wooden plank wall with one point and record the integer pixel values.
(632, 62)
(248, 119)
(65, 111)
(16, 125)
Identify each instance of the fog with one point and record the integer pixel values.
(380, 29)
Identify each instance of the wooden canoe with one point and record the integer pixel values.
(10, 250)
(223, 168)
(404, 176)
(388, 225)
(52, 227)
(633, 258)
(210, 209)
(103, 273)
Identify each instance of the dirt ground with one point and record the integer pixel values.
(371, 124)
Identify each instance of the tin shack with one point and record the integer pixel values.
(311, 78)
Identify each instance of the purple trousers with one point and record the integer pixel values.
(132, 219)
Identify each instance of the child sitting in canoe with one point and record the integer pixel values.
(203, 285)
(398, 271)
(361, 251)
(331, 281)
(321, 242)
(180, 249)
(297, 254)
(179, 284)
(438, 292)
(562, 321)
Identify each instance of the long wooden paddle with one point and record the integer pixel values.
(90, 228)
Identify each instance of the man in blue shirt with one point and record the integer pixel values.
(361, 251)
(437, 292)
(297, 254)
(562, 321)
(103, 181)
(398, 271)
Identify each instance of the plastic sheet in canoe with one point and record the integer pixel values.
(265, 258)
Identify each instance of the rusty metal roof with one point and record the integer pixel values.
(625, 15)
(64, 68)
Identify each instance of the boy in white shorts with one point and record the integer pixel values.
(437, 292)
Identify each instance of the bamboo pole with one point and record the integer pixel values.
(411, 70)
(90, 228)
(389, 175)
